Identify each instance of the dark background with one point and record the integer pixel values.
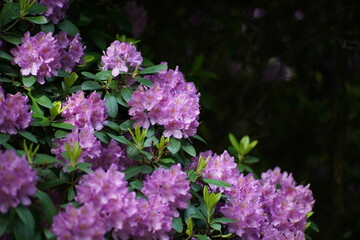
(283, 72)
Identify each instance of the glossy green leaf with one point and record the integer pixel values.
(28, 81)
(153, 69)
(46, 159)
(37, 19)
(121, 139)
(29, 136)
(189, 148)
(68, 27)
(37, 9)
(177, 224)
(48, 28)
(9, 12)
(132, 172)
(144, 81)
(90, 85)
(174, 145)
(60, 134)
(216, 226)
(104, 75)
(111, 105)
(202, 237)
(4, 137)
(251, 159)
(26, 216)
(4, 222)
(136, 184)
(63, 125)
(223, 220)
(126, 94)
(5, 56)
(47, 205)
(42, 100)
(216, 182)
(102, 137)
(22, 231)
(11, 39)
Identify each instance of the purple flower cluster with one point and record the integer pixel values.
(270, 208)
(285, 204)
(90, 145)
(171, 102)
(14, 112)
(55, 9)
(71, 50)
(38, 56)
(137, 17)
(81, 111)
(220, 167)
(42, 54)
(18, 180)
(245, 206)
(119, 57)
(170, 185)
(79, 223)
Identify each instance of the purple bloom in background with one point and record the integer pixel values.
(112, 154)
(153, 220)
(245, 206)
(258, 13)
(38, 56)
(18, 180)
(285, 204)
(220, 167)
(119, 57)
(81, 111)
(299, 15)
(171, 102)
(137, 17)
(71, 50)
(277, 70)
(79, 224)
(14, 112)
(108, 193)
(56, 9)
(170, 185)
(90, 145)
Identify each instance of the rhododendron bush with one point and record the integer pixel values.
(100, 146)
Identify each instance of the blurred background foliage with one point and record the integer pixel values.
(283, 72)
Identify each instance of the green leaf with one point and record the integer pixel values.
(5, 56)
(234, 142)
(174, 145)
(153, 69)
(121, 139)
(193, 212)
(70, 193)
(136, 184)
(102, 137)
(167, 160)
(4, 222)
(104, 75)
(60, 134)
(201, 237)
(177, 224)
(199, 138)
(40, 121)
(251, 159)
(37, 9)
(216, 182)
(4, 137)
(47, 205)
(9, 12)
(224, 220)
(37, 19)
(132, 151)
(21, 231)
(144, 81)
(46, 159)
(28, 81)
(84, 166)
(11, 39)
(29, 136)
(189, 149)
(112, 125)
(26, 216)
(126, 93)
(42, 99)
(132, 172)
(111, 105)
(216, 226)
(48, 28)
(126, 125)
(63, 125)
(68, 27)
(90, 85)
